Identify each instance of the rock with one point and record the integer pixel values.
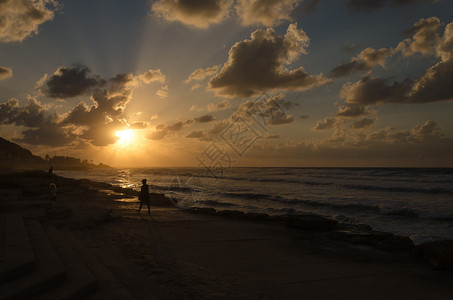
(256, 216)
(157, 199)
(231, 213)
(202, 210)
(396, 243)
(357, 227)
(310, 222)
(370, 238)
(439, 253)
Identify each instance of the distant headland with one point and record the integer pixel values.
(13, 156)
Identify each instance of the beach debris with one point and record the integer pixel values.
(439, 253)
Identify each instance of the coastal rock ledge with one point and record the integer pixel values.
(438, 253)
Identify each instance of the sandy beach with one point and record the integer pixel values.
(176, 254)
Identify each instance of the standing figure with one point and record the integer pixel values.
(144, 196)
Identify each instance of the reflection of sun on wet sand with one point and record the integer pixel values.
(176, 254)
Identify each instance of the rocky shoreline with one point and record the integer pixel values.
(26, 189)
(199, 252)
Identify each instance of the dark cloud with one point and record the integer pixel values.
(369, 5)
(5, 72)
(267, 12)
(21, 18)
(258, 64)
(304, 117)
(200, 13)
(48, 134)
(423, 145)
(29, 115)
(205, 118)
(70, 82)
(138, 125)
(364, 61)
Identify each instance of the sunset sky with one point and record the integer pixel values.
(144, 83)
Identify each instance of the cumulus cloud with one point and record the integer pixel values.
(43, 129)
(364, 61)
(71, 81)
(5, 72)
(21, 18)
(425, 35)
(260, 63)
(199, 14)
(200, 74)
(265, 12)
(444, 48)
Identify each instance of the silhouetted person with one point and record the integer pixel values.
(53, 192)
(144, 196)
(51, 170)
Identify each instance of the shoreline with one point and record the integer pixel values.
(199, 252)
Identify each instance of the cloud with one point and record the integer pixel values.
(219, 106)
(200, 74)
(152, 76)
(96, 123)
(205, 118)
(43, 130)
(328, 123)
(423, 145)
(444, 48)
(157, 135)
(70, 82)
(258, 64)
(264, 12)
(21, 18)
(364, 61)
(363, 123)
(200, 135)
(425, 35)
(367, 5)
(199, 14)
(5, 72)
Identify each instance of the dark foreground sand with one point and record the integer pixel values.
(173, 254)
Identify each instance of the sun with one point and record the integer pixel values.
(125, 137)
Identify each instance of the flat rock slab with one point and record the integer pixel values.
(17, 255)
(49, 270)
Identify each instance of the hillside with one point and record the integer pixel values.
(13, 156)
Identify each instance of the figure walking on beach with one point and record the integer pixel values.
(144, 196)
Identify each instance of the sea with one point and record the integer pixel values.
(414, 202)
